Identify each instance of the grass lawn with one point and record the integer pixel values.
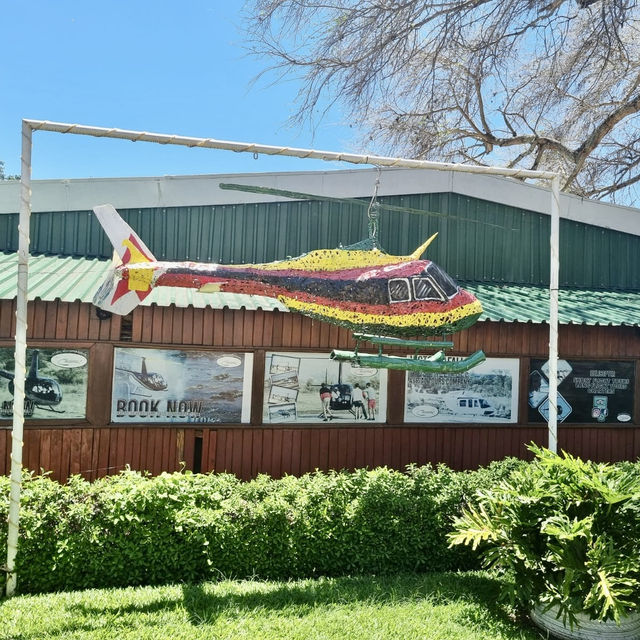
(430, 607)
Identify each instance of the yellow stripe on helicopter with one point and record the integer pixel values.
(338, 259)
(431, 319)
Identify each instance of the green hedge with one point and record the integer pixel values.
(131, 529)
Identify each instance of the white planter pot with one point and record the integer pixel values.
(586, 629)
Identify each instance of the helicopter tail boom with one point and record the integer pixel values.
(116, 294)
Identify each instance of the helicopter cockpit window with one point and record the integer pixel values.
(399, 290)
(426, 289)
(442, 279)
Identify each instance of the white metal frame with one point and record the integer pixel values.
(29, 126)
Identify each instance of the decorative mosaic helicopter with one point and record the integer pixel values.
(383, 299)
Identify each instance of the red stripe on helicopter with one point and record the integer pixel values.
(263, 289)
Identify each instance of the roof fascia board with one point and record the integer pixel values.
(182, 191)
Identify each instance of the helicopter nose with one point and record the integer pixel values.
(469, 310)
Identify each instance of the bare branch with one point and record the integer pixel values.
(553, 84)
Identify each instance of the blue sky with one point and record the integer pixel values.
(165, 67)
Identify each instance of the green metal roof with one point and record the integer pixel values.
(478, 240)
(70, 279)
(511, 303)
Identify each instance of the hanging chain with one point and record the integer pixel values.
(373, 211)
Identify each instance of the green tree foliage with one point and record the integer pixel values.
(4, 176)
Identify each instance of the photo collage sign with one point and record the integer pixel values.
(307, 388)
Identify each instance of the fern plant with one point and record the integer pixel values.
(568, 531)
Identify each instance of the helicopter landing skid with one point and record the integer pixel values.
(51, 408)
(435, 363)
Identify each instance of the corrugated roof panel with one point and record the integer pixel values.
(478, 240)
(8, 275)
(512, 303)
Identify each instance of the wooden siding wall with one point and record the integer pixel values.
(93, 448)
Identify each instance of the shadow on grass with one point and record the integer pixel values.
(205, 602)
(301, 596)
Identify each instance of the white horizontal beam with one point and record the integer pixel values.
(250, 147)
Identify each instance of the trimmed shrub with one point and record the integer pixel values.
(132, 529)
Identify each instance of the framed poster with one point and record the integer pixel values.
(589, 391)
(169, 385)
(55, 383)
(307, 388)
(488, 393)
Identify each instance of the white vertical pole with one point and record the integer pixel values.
(554, 284)
(20, 359)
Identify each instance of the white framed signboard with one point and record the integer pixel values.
(486, 394)
(55, 383)
(171, 385)
(295, 384)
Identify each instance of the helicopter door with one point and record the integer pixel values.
(340, 397)
(399, 290)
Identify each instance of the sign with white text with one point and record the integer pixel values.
(590, 392)
(167, 385)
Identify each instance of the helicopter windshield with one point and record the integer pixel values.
(431, 284)
(442, 279)
(399, 290)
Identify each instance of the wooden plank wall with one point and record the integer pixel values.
(94, 449)
(246, 452)
(94, 452)
(57, 320)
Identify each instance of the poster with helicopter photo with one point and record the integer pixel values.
(169, 385)
(488, 393)
(55, 383)
(307, 388)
